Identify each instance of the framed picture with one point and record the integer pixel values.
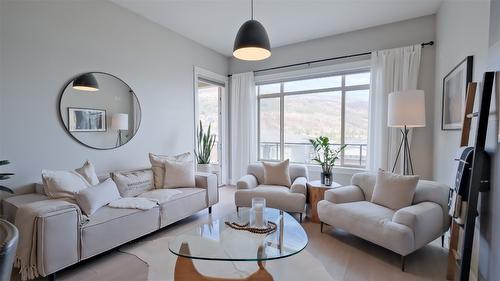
(454, 95)
(86, 120)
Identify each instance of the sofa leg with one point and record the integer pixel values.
(52, 277)
(403, 263)
(300, 217)
(322, 227)
(442, 241)
(210, 209)
(237, 209)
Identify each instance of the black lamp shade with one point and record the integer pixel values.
(86, 82)
(252, 42)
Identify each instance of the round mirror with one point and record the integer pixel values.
(100, 110)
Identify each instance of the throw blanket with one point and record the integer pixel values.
(26, 220)
(134, 203)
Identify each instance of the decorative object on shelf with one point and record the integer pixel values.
(406, 109)
(326, 157)
(206, 142)
(454, 92)
(86, 117)
(5, 176)
(119, 122)
(252, 42)
(86, 120)
(86, 82)
(257, 218)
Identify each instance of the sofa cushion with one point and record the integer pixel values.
(394, 191)
(158, 167)
(88, 172)
(160, 195)
(179, 173)
(277, 196)
(11, 204)
(182, 205)
(92, 198)
(133, 183)
(109, 227)
(277, 173)
(63, 184)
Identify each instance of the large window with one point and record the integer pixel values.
(209, 100)
(292, 112)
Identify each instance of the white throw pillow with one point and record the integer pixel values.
(277, 173)
(394, 191)
(92, 198)
(179, 174)
(160, 195)
(133, 183)
(158, 165)
(63, 184)
(88, 172)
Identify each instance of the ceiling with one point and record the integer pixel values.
(214, 23)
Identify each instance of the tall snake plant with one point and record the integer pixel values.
(206, 142)
(324, 154)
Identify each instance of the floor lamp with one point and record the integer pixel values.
(406, 109)
(119, 122)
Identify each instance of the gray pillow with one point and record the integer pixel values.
(92, 198)
(133, 183)
(394, 191)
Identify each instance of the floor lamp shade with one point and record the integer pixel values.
(119, 121)
(406, 109)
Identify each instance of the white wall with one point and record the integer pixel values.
(45, 43)
(381, 37)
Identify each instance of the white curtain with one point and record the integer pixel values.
(391, 70)
(243, 124)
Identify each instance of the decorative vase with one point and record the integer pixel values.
(326, 178)
(257, 218)
(204, 168)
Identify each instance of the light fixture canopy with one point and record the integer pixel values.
(252, 42)
(86, 82)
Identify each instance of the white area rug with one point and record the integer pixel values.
(161, 263)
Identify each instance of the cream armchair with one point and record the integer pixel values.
(402, 231)
(289, 199)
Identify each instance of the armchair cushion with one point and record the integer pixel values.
(279, 197)
(425, 219)
(394, 191)
(344, 194)
(299, 185)
(277, 173)
(247, 182)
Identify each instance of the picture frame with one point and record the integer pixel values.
(86, 119)
(454, 95)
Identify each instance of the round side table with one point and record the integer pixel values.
(316, 193)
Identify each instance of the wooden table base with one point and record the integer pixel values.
(186, 271)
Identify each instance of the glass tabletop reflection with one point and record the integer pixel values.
(217, 241)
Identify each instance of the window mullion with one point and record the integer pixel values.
(282, 122)
(342, 122)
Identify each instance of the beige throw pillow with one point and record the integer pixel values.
(66, 184)
(179, 174)
(133, 183)
(92, 198)
(158, 165)
(277, 173)
(88, 172)
(394, 191)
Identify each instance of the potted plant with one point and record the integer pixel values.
(206, 142)
(326, 157)
(5, 176)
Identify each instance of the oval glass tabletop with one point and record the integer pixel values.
(218, 241)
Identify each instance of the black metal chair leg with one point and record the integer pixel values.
(300, 215)
(322, 227)
(442, 240)
(237, 209)
(210, 209)
(403, 263)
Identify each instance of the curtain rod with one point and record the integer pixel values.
(430, 43)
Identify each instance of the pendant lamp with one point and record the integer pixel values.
(252, 42)
(86, 82)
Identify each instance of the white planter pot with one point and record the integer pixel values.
(204, 168)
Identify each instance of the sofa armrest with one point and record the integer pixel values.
(247, 182)
(299, 185)
(208, 181)
(344, 194)
(57, 240)
(425, 219)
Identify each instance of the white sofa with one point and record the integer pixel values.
(402, 231)
(63, 242)
(289, 199)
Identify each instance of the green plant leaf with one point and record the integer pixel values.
(6, 189)
(4, 162)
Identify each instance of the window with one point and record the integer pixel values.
(209, 97)
(292, 112)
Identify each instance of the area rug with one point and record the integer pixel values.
(161, 263)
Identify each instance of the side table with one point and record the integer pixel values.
(316, 193)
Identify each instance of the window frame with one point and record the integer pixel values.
(343, 89)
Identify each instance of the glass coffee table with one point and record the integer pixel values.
(217, 241)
